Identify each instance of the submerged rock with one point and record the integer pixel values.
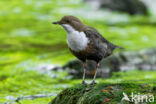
(123, 61)
(102, 94)
(129, 6)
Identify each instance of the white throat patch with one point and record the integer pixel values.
(76, 40)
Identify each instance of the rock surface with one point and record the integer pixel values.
(123, 61)
(129, 6)
(102, 94)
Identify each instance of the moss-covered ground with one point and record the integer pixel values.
(28, 39)
(103, 93)
(22, 82)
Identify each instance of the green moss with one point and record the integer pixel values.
(27, 38)
(27, 82)
(36, 101)
(99, 94)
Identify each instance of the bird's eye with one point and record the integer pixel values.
(67, 21)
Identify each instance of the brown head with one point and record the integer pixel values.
(72, 21)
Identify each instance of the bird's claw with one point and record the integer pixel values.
(93, 82)
(84, 83)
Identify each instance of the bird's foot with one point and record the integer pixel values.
(84, 83)
(93, 82)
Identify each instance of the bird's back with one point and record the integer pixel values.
(104, 47)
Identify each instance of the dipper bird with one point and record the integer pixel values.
(85, 42)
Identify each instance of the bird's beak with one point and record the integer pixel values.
(57, 22)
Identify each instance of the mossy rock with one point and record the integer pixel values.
(100, 93)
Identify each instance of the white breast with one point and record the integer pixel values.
(76, 40)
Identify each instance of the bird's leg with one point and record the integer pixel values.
(93, 81)
(84, 72)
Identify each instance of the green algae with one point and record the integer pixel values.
(27, 38)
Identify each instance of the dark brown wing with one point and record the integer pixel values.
(103, 46)
(99, 42)
(91, 32)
